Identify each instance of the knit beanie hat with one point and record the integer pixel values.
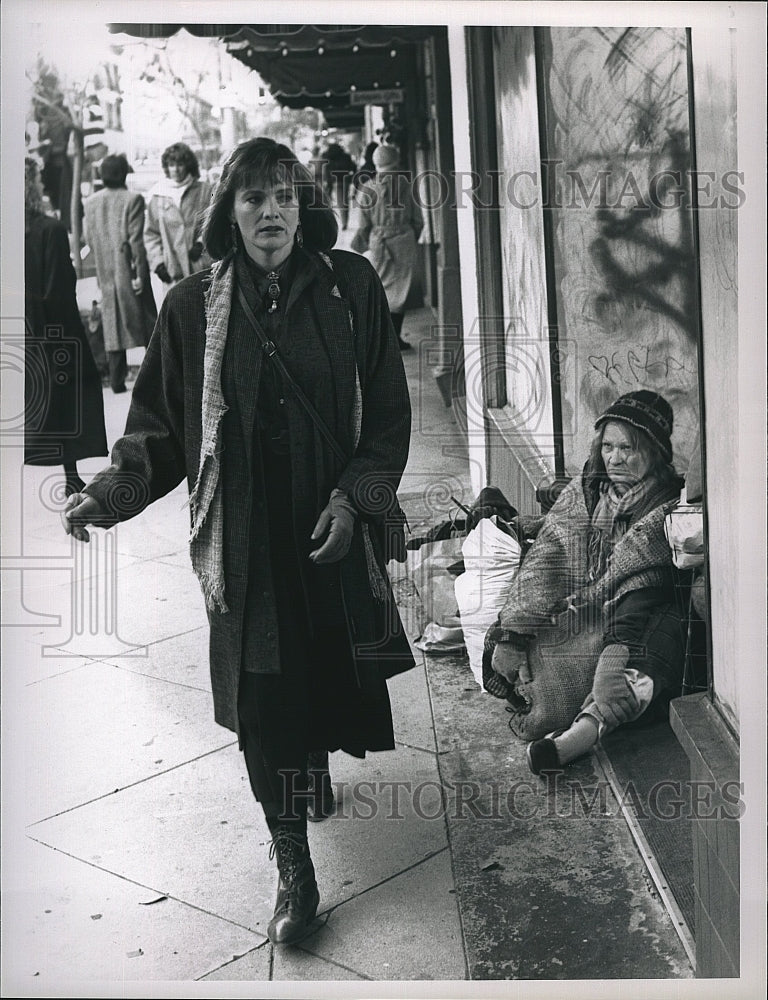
(386, 157)
(647, 411)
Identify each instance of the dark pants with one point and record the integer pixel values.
(118, 370)
(648, 621)
(276, 761)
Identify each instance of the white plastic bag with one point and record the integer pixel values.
(431, 568)
(491, 559)
(684, 527)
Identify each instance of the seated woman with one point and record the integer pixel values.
(602, 550)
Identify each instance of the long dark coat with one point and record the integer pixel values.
(162, 445)
(64, 404)
(114, 217)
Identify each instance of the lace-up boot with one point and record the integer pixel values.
(297, 893)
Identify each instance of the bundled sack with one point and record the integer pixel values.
(491, 557)
(545, 676)
(433, 563)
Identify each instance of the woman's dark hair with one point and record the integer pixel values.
(658, 466)
(114, 170)
(180, 152)
(260, 162)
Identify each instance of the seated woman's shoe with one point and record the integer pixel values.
(542, 755)
(297, 894)
(321, 802)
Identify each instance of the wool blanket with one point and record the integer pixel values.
(554, 574)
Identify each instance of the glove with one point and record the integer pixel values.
(610, 690)
(162, 272)
(337, 521)
(79, 511)
(196, 251)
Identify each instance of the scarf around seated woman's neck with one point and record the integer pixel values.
(615, 510)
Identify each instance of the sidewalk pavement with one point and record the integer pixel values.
(136, 861)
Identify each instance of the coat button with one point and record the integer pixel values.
(271, 636)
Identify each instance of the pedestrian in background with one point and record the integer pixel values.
(289, 522)
(175, 211)
(366, 171)
(390, 224)
(63, 402)
(114, 229)
(339, 168)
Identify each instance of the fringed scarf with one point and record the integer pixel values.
(206, 542)
(611, 518)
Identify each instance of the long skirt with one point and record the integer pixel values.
(315, 702)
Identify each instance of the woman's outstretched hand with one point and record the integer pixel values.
(79, 511)
(337, 523)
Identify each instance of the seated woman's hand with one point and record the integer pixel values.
(79, 511)
(337, 524)
(613, 696)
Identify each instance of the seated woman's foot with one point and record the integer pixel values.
(542, 756)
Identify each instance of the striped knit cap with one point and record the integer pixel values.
(647, 411)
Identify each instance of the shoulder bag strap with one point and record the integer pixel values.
(270, 350)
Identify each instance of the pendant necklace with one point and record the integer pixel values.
(273, 289)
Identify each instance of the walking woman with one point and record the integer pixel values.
(114, 226)
(63, 402)
(390, 224)
(288, 533)
(175, 211)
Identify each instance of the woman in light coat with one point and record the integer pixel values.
(390, 224)
(114, 224)
(175, 211)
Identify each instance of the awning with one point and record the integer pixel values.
(314, 65)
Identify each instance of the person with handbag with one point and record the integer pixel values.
(595, 599)
(114, 228)
(389, 227)
(273, 383)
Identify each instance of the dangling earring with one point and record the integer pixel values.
(233, 233)
(299, 236)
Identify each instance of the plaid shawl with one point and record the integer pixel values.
(206, 544)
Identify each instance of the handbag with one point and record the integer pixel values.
(391, 526)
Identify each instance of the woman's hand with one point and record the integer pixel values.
(614, 697)
(80, 510)
(337, 521)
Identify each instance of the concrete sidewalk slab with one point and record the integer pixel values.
(376, 831)
(182, 659)
(393, 915)
(192, 832)
(464, 716)
(99, 728)
(412, 720)
(116, 605)
(75, 923)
